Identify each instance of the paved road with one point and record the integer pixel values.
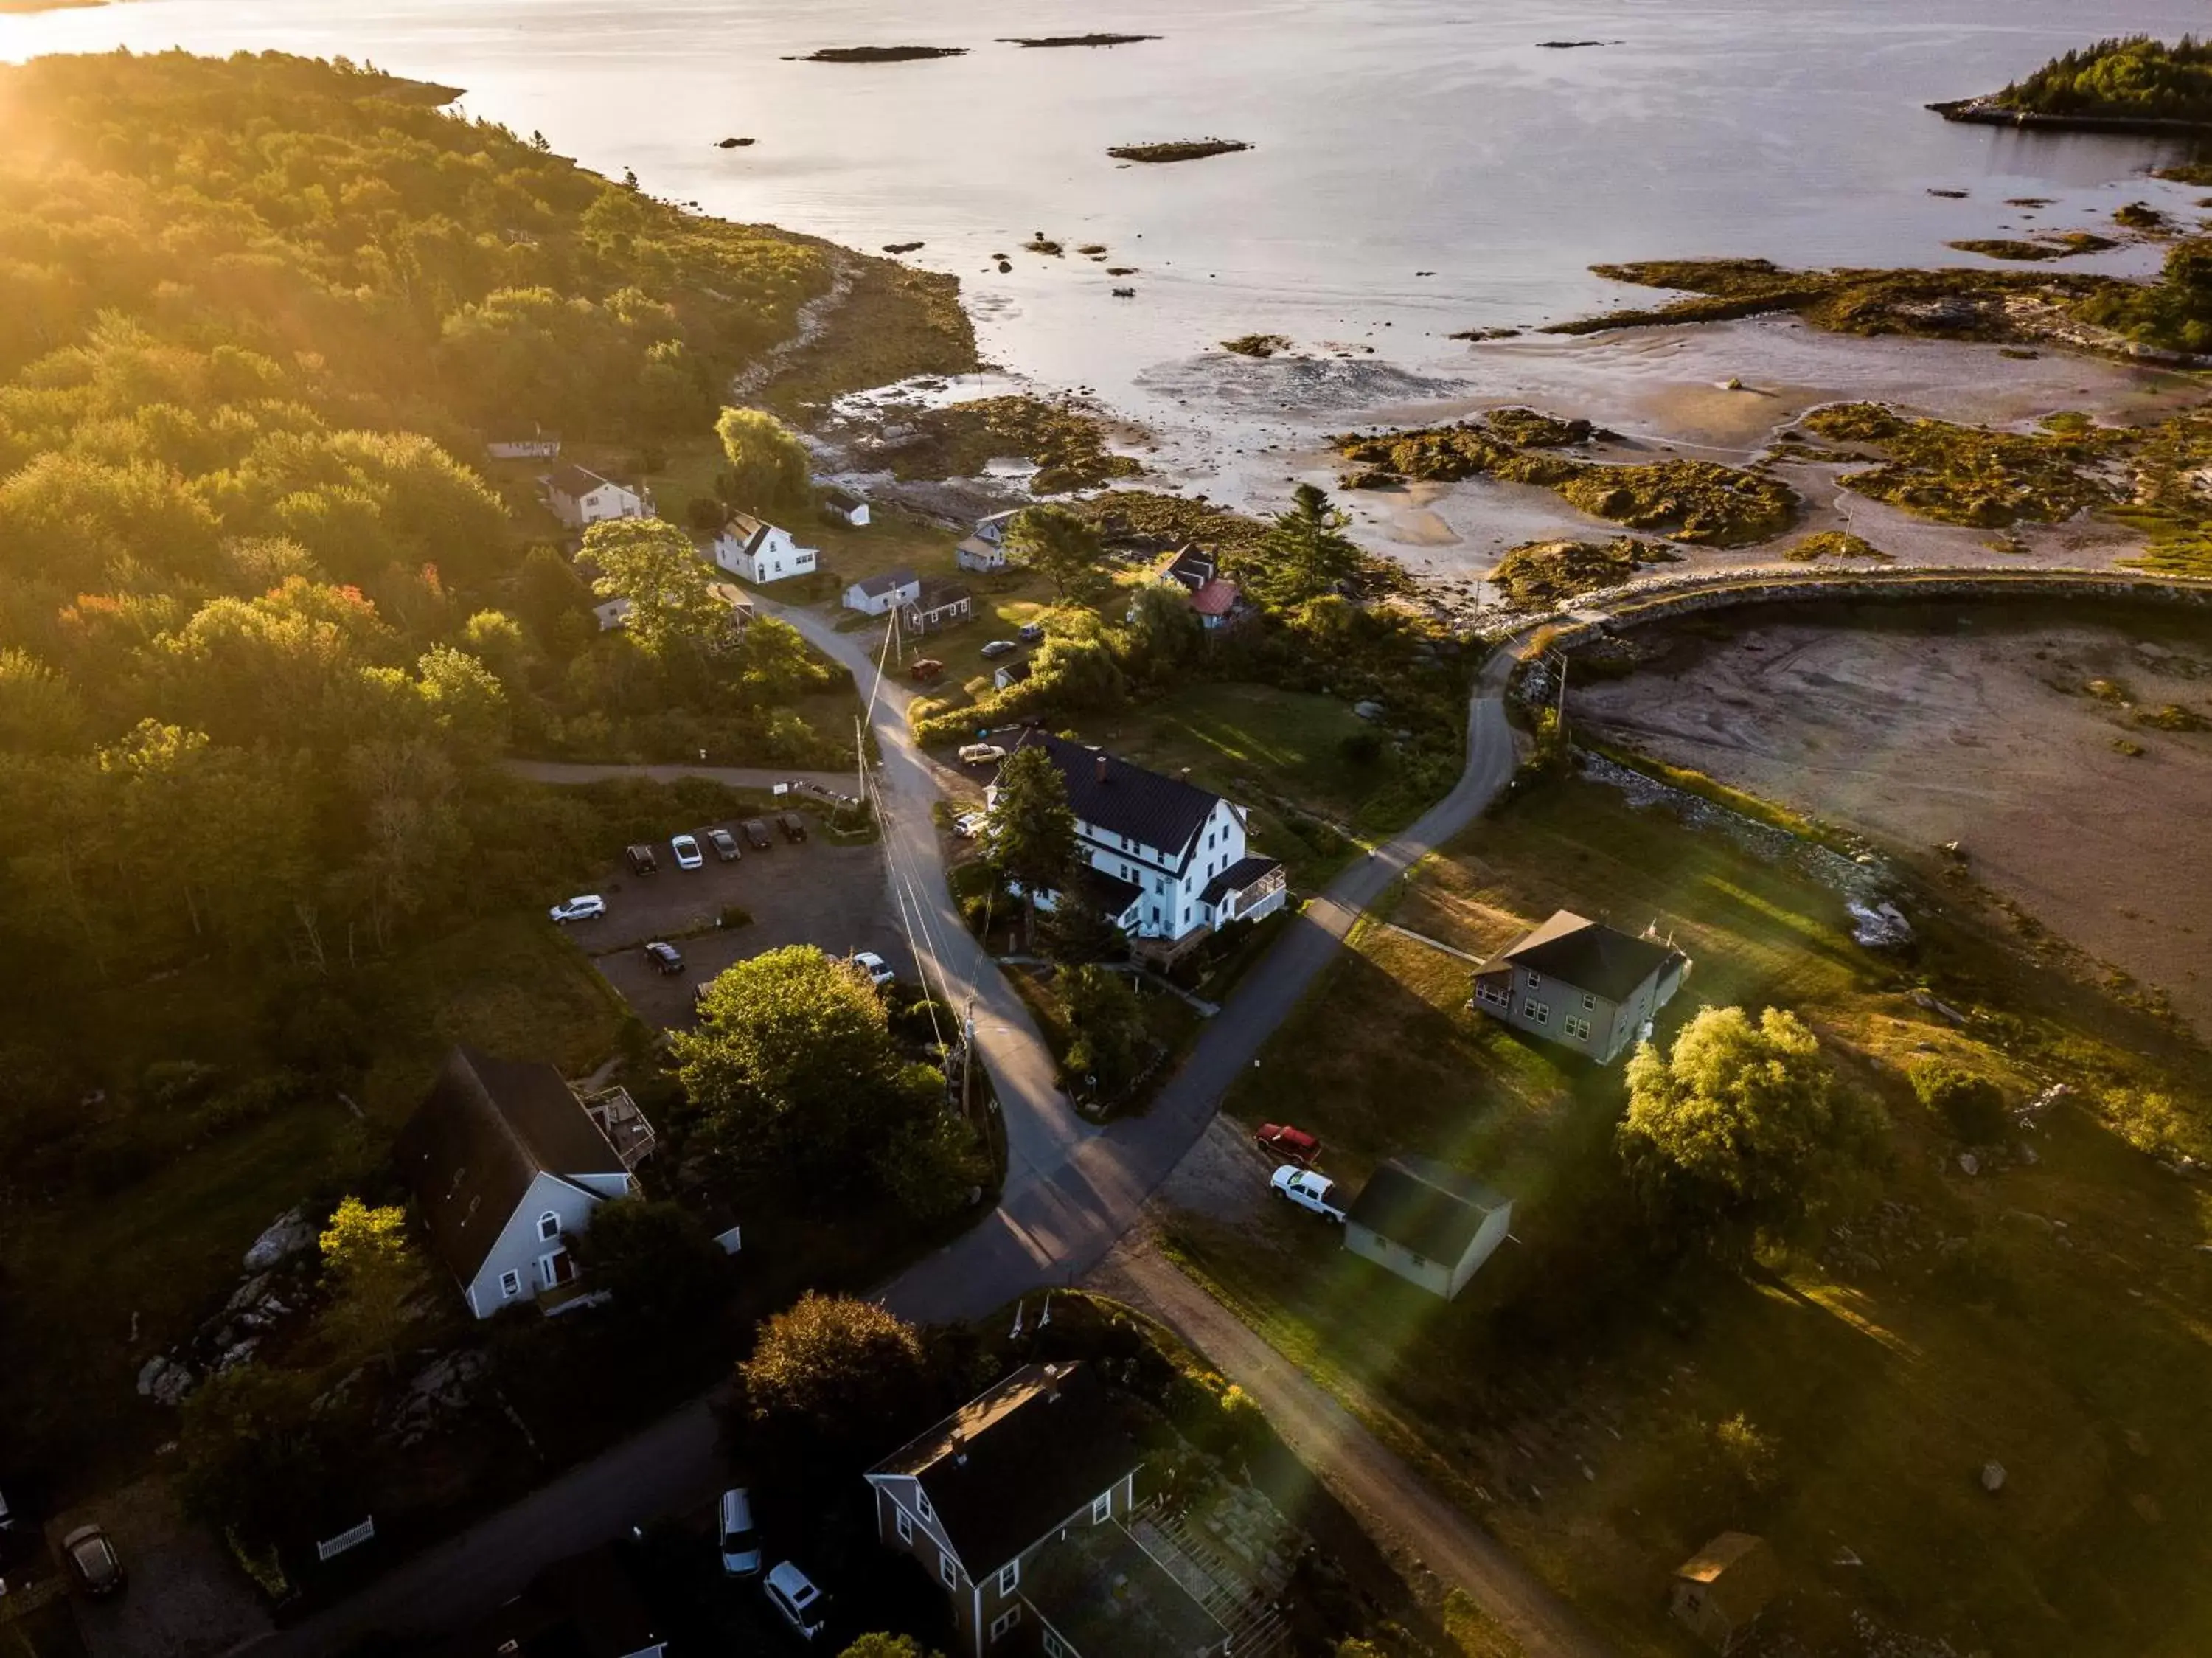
(1072, 1190)
(1393, 1502)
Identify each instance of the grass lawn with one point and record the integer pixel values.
(154, 1253)
(2055, 1318)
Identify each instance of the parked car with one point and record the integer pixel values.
(756, 834)
(641, 860)
(1001, 647)
(585, 906)
(1032, 633)
(878, 970)
(664, 957)
(688, 855)
(725, 844)
(924, 670)
(794, 826)
(1309, 1191)
(741, 1550)
(94, 1561)
(969, 824)
(1295, 1144)
(981, 753)
(791, 1592)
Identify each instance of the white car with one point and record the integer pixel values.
(688, 855)
(585, 906)
(1308, 1191)
(741, 1550)
(791, 1592)
(878, 970)
(969, 824)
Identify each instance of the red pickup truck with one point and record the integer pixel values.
(1293, 1144)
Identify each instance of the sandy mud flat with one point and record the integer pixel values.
(1931, 725)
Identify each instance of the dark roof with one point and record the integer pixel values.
(890, 579)
(1236, 877)
(1014, 673)
(1430, 1209)
(1013, 1463)
(938, 595)
(1587, 955)
(1107, 891)
(1121, 799)
(843, 500)
(1193, 567)
(573, 481)
(1214, 598)
(488, 1129)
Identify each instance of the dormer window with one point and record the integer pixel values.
(548, 1226)
(921, 1503)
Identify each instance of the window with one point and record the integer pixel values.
(1010, 1577)
(948, 1571)
(1589, 1001)
(548, 1226)
(921, 1503)
(510, 1284)
(1005, 1621)
(1418, 1260)
(1102, 1507)
(905, 1524)
(1539, 1011)
(1577, 1029)
(1536, 981)
(1054, 1647)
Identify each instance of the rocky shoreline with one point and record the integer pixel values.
(1987, 111)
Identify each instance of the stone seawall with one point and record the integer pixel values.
(1639, 604)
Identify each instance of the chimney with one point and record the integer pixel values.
(1101, 766)
(1052, 1371)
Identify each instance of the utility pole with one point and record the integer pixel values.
(1562, 699)
(967, 1055)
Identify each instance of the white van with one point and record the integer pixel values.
(741, 1553)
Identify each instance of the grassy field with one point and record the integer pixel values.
(2051, 1317)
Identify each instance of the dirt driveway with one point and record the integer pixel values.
(807, 892)
(184, 1599)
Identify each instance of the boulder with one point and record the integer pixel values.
(1879, 926)
(166, 1382)
(1368, 710)
(1993, 1477)
(287, 1236)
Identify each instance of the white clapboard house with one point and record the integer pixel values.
(762, 553)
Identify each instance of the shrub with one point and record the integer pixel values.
(1972, 1106)
(1361, 747)
(735, 915)
(1753, 1458)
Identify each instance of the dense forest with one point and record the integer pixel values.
(2133, 78)
(265, 632)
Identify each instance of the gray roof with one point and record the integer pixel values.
(488, 1129)
(1108, 891)
(1016, 1461)
(939, 595)
(1587, 955)
(1121, 799)
(843, 500)
(1429, 1208)
(889, 581)
(1236, 877)
(573, 481)
(1193, 567)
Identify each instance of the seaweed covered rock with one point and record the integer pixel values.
(1834, 544)
(1958, 474)
(1065, 440)
(1540, 574)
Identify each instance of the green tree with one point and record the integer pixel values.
(1075, 931)
(1066, 550)
(1305, 552)
(850, 1375)
(376, 1272)
(887, 1646)
(1164, 634)
(1109, 1026)
(40, 712)
(1972, 1107)
(662, 1266)
(671, 590)
(1729, 1134)
(792, 1063)
(1032, 828)
(255, 1454)
(771, 472)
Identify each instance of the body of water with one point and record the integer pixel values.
(1421, 166)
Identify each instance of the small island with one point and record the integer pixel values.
(2129, 84)
(1037, 42)
(1184, 150)
(877, 54)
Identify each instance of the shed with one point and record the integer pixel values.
(1720, 1591)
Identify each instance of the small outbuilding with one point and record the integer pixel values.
(845, 508)
(939, 606)
(1427, 1223)
(879, 595)
(1720, 1591)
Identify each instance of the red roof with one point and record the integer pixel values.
(1216, 598)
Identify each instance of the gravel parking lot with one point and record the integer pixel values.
(807, 892)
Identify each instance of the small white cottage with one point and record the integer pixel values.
(580, 498)
(762, 553)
